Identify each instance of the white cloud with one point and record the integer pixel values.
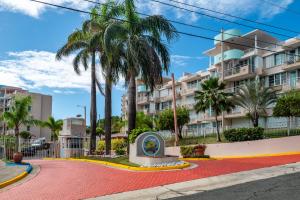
(181, 61)
(240, 8)
(37, 69)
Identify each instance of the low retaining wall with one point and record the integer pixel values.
(249, 148)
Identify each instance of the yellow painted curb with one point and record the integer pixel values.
(184, 165)
(258, 155)
(13, 180)
(196, 159)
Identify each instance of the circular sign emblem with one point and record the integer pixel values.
(151, 145)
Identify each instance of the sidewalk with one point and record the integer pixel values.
(10, 171)
(204, 184)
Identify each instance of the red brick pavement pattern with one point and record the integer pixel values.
(68, 180)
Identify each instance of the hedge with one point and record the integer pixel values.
(135, 133)
(244, 134)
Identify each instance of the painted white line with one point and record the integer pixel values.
(204, 184)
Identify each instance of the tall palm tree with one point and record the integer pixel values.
(146, 54)
(255, 98)
(111, 62)
(18, 115)
(212, 96)
(81, 42)
(54, 125)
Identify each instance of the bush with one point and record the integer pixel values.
(101, 146)
(193, 151)
(136, 132)
(244, 134)
(118, 145)
(25, 135)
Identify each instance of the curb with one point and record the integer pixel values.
(18, 177)
(120, 166)
(257, 156)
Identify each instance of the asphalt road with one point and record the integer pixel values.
(286, 187)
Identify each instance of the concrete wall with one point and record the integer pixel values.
(250, 148)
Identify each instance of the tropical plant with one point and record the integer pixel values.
(212, 96)
(255, 98)
(82, 43)
(18, 115)
(146, 54)
(54, 125)
(116, 124)
(112, 61)
(166, 120)
(143, 121)
(25, 135)
(288, 105)
(135, 133)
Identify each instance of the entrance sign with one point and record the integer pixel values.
(151, 145)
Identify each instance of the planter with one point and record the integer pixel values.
(199, 150)
(18, 157)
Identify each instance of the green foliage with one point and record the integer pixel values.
(116, 124)
(101, 146)
(143, 121)
(135, 133)
(288, 105)
(165, 120)
(212, 96)
(25, 135)
(255, 98)
(193, 151)
(244, 134)
(54, 125)
(118, 144)
(99, 131)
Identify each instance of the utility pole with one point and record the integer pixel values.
(174, 110)
(84, 110)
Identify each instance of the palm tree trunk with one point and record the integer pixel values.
(93, 109)
(218, 131)
(17, 146)
(131, 104)
(107, 122)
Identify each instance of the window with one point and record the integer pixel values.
(29, 108)
(277, 79)
(192, 84)
(271, 81)
(279, 59)
(28, 128)
(269, 61)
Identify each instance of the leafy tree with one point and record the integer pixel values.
(100, 132)
(116, 123)
(25, 135)
(166, 119)
(18, 115)
(146, 54)
(212, 96)
(255, 98)
(288, 105)
(54, 125)
(144, 121)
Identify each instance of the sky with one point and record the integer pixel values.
(31, 33)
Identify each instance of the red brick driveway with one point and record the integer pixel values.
(78, 180)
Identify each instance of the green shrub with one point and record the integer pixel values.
(101, 146)
(118, 144)
(25, 135)
(244, 134)
(136, 132)
(120, 152)
(186, 151)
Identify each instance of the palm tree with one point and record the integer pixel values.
(146, 54)
(81, 42)
(111, 62)
(255, 98)
(18, 115)
(212, 96)
(54, 125)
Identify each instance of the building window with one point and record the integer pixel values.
(28, 128)
(29, 108)
(269, 61)
(192, 84)
(277, 79)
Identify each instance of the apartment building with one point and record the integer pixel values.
(236, 60)
(40, 109)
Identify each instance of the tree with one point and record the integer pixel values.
(83, 44)
(254, 97)
(18, 115)
(111, 61)
(143, 121)
(54, 125)
(166, 119)
(212, 96)
(146, 54)
(288, 105)
(116, 124)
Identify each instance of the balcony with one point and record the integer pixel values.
(142, 100)
(142, 88)
(293, 62)
(236, 113)
(231, 33)
(189, 91)
(170, 97)
(238, 73)
(291, 85)
(229, 55)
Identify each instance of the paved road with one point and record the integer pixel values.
(70, 180)
(286, 187)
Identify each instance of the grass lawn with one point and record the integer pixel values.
(124, 160)
(210, 139)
